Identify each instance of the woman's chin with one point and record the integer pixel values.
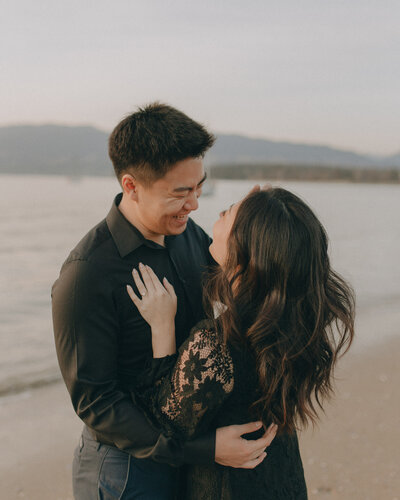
(214, 254)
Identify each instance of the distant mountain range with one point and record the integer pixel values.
(237, 149)
(54, 149)
(78, 151)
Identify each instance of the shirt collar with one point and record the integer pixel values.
(126, 237)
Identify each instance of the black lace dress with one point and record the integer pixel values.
(209, 385)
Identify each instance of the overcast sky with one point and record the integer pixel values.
(315, 71)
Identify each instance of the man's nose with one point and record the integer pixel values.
(192, 202)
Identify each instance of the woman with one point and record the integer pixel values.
(285, 316)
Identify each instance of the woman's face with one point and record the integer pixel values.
(221, 232)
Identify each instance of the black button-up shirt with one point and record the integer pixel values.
(103, 342)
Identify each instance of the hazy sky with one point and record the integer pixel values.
(317, 71)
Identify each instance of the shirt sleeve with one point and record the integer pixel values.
(189, 394)
(86, 336)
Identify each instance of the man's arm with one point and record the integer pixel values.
(86, 336)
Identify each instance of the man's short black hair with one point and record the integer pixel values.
(150, 141)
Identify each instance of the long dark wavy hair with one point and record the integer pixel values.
(285, 304)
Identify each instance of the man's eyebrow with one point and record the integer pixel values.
(184, 188)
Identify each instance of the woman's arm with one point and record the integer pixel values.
(181, 394)
(190, 391)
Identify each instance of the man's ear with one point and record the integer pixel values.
(129, 186)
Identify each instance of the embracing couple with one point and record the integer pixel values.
(193, 361)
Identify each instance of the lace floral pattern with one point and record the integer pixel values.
(192, 390)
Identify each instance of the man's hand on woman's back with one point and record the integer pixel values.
(232, 450)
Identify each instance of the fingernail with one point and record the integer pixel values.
(134, 270)
(128, 287)
(140, 264)
(258, 425)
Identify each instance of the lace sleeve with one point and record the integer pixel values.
(184, 402)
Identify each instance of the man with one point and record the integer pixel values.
(104, 345)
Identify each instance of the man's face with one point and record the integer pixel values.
(164, 206)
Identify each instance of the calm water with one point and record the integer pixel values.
(42, 218)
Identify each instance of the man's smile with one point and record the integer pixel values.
(181, 217)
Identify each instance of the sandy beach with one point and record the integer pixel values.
(352, 455)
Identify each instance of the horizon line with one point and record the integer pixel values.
(295, 142)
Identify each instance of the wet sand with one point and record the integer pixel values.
(352, 455)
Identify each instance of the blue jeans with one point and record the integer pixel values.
(102, 472)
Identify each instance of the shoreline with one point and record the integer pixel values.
(351, 455)
(382, 317)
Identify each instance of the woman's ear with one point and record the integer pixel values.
(129, 185)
